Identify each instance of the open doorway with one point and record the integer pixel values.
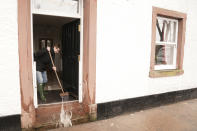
(51, 30)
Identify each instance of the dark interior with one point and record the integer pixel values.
(71, 52)
(69, 39)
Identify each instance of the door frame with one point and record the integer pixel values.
(28, 111)
(80, 16)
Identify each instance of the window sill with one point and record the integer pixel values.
(165, 73)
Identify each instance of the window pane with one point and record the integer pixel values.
(166, 30)
(164, 54)
(69, 6)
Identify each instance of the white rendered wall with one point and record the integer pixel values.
(124, 30)
(9, 63)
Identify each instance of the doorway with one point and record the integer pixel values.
(31, 113)
(51, 30)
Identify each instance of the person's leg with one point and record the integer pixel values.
(44, 76)
(40, 85)
(39, 77)
(45, 80)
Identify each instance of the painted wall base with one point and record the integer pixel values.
(111, 109)
(10, 123)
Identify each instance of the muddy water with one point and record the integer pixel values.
(65, 116)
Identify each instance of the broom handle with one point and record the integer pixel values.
(56, 72)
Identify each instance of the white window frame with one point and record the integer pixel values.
(173, 66)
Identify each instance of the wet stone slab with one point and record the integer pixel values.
(180, 116)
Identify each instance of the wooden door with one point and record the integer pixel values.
(71, 51)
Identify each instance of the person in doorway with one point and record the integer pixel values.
(43, 62)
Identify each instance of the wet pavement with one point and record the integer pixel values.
(180, 116)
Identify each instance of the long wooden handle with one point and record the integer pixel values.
(56, 73)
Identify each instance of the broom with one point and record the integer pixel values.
(63, 93)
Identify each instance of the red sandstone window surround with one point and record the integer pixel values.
(168, 39)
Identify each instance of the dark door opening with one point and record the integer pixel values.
(50, 30)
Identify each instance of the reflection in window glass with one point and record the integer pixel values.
(68, 6)
(164, 54)
(166, 30)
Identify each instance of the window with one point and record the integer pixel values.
(166, 43)
(167, 48)
(44, 42)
